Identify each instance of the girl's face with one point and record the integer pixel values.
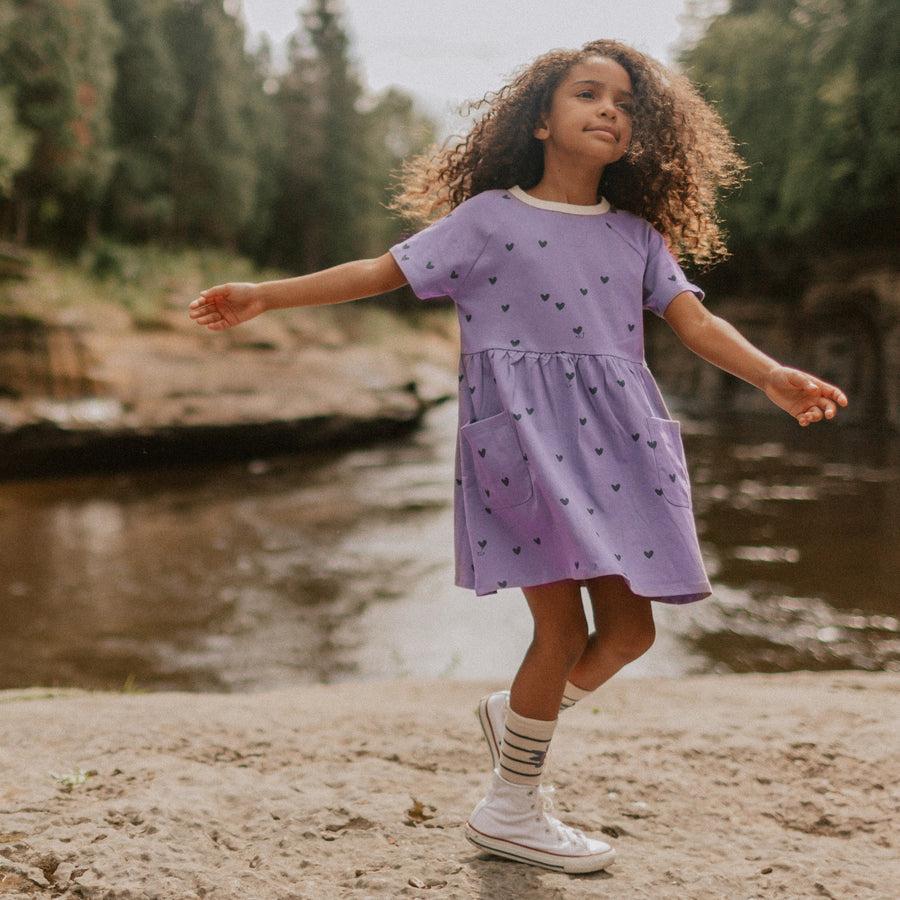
(590, 115)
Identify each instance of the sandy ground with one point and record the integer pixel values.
(727, 788)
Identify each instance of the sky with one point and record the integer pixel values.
(446, 52)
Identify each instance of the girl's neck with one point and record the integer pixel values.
(575, 188)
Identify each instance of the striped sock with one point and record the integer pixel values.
(572, 695)
(523, 750)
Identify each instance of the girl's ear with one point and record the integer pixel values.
(541, 130)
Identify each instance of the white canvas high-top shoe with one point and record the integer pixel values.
(516, 822)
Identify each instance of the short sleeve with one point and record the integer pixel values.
(663, 278)
(437, 260)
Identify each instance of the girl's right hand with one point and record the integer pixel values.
(227, 305)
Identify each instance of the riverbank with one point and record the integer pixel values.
(713, 788)
(99, 374)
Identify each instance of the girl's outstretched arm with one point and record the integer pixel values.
(228, 305)
(807, 398)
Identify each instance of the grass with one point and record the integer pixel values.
(143, 280)
(148, 282)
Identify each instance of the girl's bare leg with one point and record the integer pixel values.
(513, 819)
(624, 630)
(559, 642)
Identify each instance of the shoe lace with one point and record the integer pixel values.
(553, 825)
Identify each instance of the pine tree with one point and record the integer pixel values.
(58, 65)
(146, 112)
(225, 117)
(323, 170)
(17, 141)
(341, 149)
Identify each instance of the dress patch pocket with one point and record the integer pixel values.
(500, 468)
(665, 441)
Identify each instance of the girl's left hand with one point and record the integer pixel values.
(807, 398)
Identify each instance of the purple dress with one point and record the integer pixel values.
(568, 464)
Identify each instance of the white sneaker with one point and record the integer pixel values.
(515, 821)
(492, 716)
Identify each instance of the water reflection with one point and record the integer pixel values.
(801, 536)
(247, 577)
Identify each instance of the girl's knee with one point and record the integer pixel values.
(638, 639)
(624, 621)
(630, 638)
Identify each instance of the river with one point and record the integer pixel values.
(260, 575)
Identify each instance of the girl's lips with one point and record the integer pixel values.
(608, 132)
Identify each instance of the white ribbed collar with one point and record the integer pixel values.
(553, 206)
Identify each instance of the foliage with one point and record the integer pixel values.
(223, 119)
(809, 89)
(152, 120)
(147, 101)
(340, 149)
(16, 146)
(148, 281)
(57, 64)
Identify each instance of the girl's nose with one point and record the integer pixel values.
(607, 108)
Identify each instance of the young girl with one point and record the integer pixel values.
(562, 210)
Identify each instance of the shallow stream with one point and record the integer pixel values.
(261, 575)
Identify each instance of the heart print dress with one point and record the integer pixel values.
(568, 464)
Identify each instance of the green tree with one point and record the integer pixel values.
(58, 64)
(323, 171)
(17, 141)
(147, 106)
(155, 113)
(198, 136)
(264, 117)
(341, 148)
(396, 130)
(809, 88)
(224, 122)
(15, 147)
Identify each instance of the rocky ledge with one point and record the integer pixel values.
(89, 390)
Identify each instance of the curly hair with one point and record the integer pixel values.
(680, 157)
